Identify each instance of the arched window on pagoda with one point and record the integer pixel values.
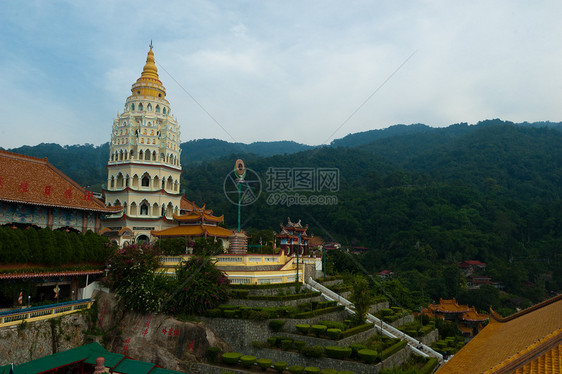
(127, 181)
(135, 181)
(169, 210)
(140, 106)
(133, 209)
(112, 183)
(164, 110)
(149, 108)
(155, 210)
(157, 108)
(170, 184)
(147, 154)
(153, 155)
(140, 154)
(125, 208)
(132, 106)
(132, 155)
(120, 180)
(144, 209)
(145, 182)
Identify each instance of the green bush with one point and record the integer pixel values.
(315, 351)
(240, 294)
(429, 366)
(296, 369)
(264, 363)
(276, 325)
(319, 312)
(286, 344)
(247, 361)
(318, 329)
(244, 312)
(311, 369)
(299, 344)
(339, 353)
(368, 355)
(213, 353)
(272, 342)
(333, 334)
(230, 313)
(214, 313)
(393, 349)
(258, 315)
(231, 358)
(279, 366)
(333, 324)
(345, 372)
(357, 330)
(303, 328)
(355, 348)
(386, 312)
(328, 371)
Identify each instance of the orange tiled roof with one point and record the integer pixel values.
(31, 180)
(448, 306)
(526, 340)
(472, 315)
(194, 230)
(196, 216)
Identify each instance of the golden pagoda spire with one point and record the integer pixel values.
(150, 71)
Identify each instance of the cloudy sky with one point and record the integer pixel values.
(277, 70)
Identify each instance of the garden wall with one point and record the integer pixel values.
(311, 340)
(273, 303)
(402, 321)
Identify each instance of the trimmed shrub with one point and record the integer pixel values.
(213, 353)
(257, 315)
(333, 324)
(386, 312)
(333, 334)
(355, 348)
(231, 358)
(244, 312)
(368, 355)
(429, 366)
(230, 313)
(303, 328)
(276, 325)
(345, 372)
(264, 363)
(357, 330)
(318, 329)
(319, 312)
(214, 313)
(279, 366)
(311, 369)
(272, 342)
(247, 361)
(315, 351)
(286, 344)
(240, 294)
(328, 371)
(339, 353)
(393, 349)
(299, 344)
(296, 369)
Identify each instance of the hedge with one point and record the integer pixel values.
(319, 312)
(333, 324)
(357, 330)
(311, 369)
(339, 353)
(356, 348)
(333, 334)
(368, 355)
(315, 351)
(296, 369)
(213, 353)
(299, 344)
(303, 328)
(318, 329)
(247, 361)
(276, 325)
(426, 329)
(393, 349)
(231, 358)
(279, 366)
(429, 366)
(264, 286)
(286, 344)
(264, 363)
(216, 313)
(328, 371)
(272, 341)
(297, 296)
(345, 372)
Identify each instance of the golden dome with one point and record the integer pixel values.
(149, 83)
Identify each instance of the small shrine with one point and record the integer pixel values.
(293, 238)
(468, 320)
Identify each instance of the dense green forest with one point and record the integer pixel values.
(420, 199)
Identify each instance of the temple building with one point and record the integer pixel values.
(529, 341)
(143, 171)
(293, 238)
(35, 193)
(468, 320)
(196, 222)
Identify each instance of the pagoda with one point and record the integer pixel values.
(293, 238)
(143, 170)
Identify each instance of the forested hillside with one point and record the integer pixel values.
(420, 199)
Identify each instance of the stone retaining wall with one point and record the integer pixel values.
(402, 321)
(376, 307)
(311, 340)
(273, 303)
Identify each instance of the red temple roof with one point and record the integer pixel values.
(31, 180)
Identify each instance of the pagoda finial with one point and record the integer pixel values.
(151, 44)
(150, 70)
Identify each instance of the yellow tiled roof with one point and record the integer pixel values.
(518, 341)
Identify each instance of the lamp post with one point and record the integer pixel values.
(240, 172)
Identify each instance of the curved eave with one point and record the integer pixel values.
(145, 165)
(124, 216)
(163, 191)
(100, 210)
